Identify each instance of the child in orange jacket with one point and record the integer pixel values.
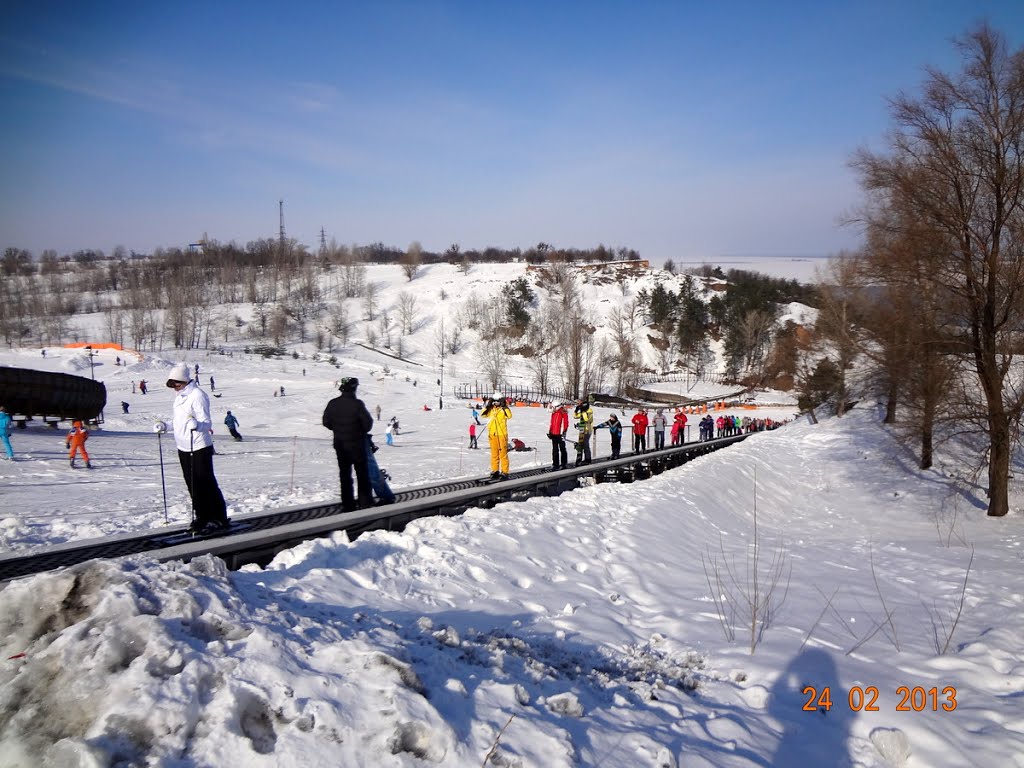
(76, 442)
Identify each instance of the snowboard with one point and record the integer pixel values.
(491, 481)
(184, 537)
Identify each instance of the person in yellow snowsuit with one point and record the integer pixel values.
(497, 412)
(76, 442)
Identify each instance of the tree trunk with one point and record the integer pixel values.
(891, 400)
(999, 465)
(927, 433)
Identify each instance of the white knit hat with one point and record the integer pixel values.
(178, 373)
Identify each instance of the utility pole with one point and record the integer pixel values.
(440, 381)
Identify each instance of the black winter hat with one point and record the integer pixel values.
(348, 384)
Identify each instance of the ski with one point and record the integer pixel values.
(184, 537)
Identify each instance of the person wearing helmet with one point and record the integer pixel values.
(350, 421)
(584, 416)
(497, 412)
(76, 442)
(193, 437)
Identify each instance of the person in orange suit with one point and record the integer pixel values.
(76, 442)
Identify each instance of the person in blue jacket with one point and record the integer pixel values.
(5, 432)
(378, 478)
(614, 427)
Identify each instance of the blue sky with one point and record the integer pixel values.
(682, 129)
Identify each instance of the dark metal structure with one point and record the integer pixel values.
(261, 535)
(52, 396)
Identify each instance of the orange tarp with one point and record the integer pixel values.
(82, 344)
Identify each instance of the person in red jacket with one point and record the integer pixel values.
(679, 427)
(556, 433)
(76, 442)
(640, 431)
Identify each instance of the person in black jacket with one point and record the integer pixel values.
(351, 422)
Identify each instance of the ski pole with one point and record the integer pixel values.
(163, 481)
(291, 482)
(192, 471)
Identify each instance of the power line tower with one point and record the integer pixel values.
(280, 205)
(323, 241)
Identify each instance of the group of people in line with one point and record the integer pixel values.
(351, 424)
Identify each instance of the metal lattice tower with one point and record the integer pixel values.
(280, 204)
(323, 241)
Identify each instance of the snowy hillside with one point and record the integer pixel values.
(610, 626)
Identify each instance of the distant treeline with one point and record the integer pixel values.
(269, 251)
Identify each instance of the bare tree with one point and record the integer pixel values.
(407, 312)
(370, 302)
(412, 259)
(494, 360)
(955, 159)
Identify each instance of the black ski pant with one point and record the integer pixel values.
(616, 445)
(353, 457)
(207, 499)
(639, 443)
(559, 455)
(234, 433)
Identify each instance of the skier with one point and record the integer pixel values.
(389, 431)
(679, 427)
(346, 416)
(232, 425)
(378, 413)
(193, 427)
(124, 407)
(472, 436)
(213, 387)
(614, 427)
(498, 413)
(556, 433)
(76, 442)
(640, 431)
(659, 422)
(142, 386)
(5, 432)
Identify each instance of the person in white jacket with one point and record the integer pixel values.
(192, 436)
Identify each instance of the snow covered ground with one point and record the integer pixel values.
(583, 630)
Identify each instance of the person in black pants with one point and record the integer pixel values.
(347, 417)
(193, 431)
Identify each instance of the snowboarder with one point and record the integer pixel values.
(193, 430)
(584, 427)
(75, 442)
(232, 425)
(498, 413)
(213, 387)
(124, 407)
(142, 386)
(378, 477)
(5, 432)
(346, 416)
